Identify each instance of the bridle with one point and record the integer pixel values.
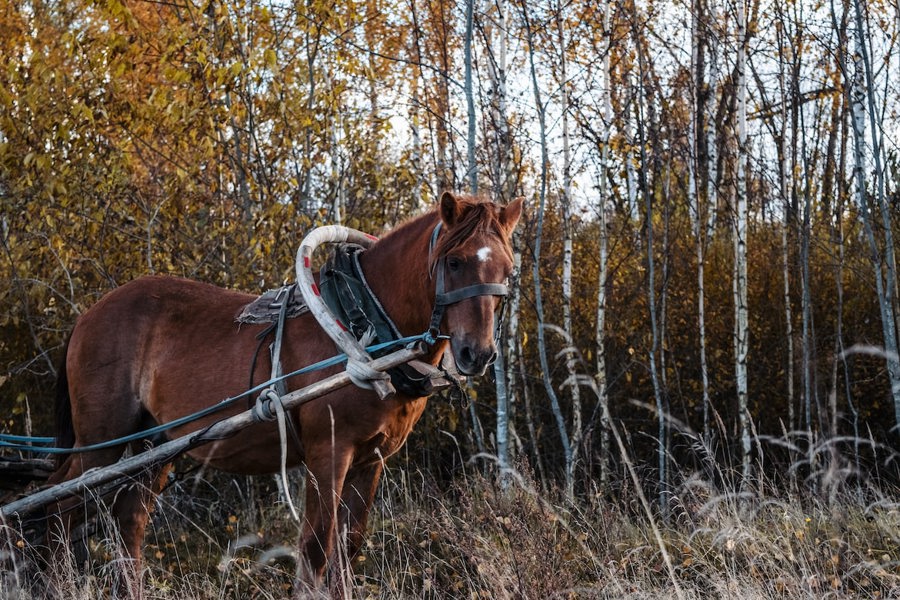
(443, 299)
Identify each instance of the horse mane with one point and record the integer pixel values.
(477, 215)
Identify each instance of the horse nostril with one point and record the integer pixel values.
(467, 355)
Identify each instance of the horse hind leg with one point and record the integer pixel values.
(130, 510)
(64, 515)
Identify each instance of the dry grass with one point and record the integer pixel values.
(479, 541)
(476, 540)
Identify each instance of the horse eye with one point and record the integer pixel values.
(453, 263)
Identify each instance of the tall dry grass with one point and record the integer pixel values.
(219, 537)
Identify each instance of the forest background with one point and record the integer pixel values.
(707, 284)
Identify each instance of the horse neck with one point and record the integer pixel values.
(396, 269)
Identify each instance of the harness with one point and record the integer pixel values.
(347, 294)
(345, 290)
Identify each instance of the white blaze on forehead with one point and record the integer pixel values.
(484, 254)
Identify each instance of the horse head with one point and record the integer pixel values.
(471, 263)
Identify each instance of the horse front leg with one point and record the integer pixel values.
(358, 495)
(326, 471)
(356, 502)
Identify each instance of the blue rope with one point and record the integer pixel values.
(26, 439)
(15, 442)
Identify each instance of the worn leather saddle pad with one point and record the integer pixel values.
(266, 308)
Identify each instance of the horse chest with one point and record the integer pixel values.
(393, 432)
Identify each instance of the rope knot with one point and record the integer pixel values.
(267, 406)
(362, 375)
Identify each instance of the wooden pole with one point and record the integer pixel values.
(217, 431)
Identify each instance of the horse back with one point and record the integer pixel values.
(158, 337)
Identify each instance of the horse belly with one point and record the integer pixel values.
(252, 451)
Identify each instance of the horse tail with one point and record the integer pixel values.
(65, 429)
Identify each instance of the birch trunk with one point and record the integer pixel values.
(506, 356)
(416, 138)
(538, 301)
(712, 149)
(238, 164)
(886, 266)
(651, 279)
(740, 248)
(841, 194)
(696, 121)
(337, 164)
(806, 301)
(472, 168)
(416, 80)
(571, 362)
(600, 332)
(785, 184)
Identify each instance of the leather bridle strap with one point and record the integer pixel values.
(444, 299)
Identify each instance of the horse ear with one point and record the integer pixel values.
(510, 214)
(449, 209)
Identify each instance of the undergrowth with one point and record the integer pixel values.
(479, 538)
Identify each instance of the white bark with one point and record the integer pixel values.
(337, 166)
(538, 300)
(786, 176)
(698, 212)
(741, 330)
(888, 301)
(651, 279)
(600, 332)
(506, 354)
(571, 362)
(712, 150)
(883, 264)
(472, 168)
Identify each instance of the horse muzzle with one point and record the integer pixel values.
(472, 360)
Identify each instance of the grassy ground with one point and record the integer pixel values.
(475, 540)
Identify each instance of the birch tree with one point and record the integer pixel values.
(840, 116)
(567, 223)
(694, 198)
(741, 329)
(647, 197)
(496, 36)
(884, 263)
(471, 142)
(785, 185)
(598, 128)
(568, 455)
(712, 148)
(603, 268)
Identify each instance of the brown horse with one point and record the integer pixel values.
(160, 348)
